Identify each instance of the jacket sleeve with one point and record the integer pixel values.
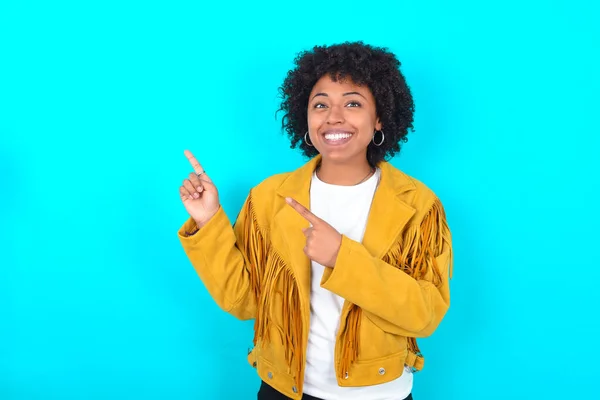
(388, 294)
(226, 258)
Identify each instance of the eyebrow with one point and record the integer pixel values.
(345, 94)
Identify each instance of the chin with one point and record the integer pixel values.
(343, 156)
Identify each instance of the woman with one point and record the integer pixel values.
(342, 263)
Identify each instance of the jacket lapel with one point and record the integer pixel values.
(387, 218)
(389, 214)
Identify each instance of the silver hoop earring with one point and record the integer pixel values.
(306, 139)
(382, 138)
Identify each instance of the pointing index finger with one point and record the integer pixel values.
(305, 212)
(195, 164)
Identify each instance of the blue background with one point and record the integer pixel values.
(98, 100)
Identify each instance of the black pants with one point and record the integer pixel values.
(266, 392)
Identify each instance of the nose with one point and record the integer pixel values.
(336, 115)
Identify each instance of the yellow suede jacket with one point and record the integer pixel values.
(395, 283)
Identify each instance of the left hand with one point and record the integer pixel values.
(322, 240)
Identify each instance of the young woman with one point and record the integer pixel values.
(342, 263)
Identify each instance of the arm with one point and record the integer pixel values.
(409, 300)
(227, 259)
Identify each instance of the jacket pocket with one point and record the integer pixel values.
(377, 344)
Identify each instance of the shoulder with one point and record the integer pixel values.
(413, 191)
(288, 183)
(268, 197)
(264, 198)
(268, 187)
(423, 196)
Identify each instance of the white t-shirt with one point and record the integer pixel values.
(346, 208)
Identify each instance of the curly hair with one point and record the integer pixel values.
(375, 67)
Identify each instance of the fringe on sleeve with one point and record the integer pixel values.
(414, 254)
(270, 277)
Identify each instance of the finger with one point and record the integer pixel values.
(206, 181)
(308, 252)
(196, 182)
(185, 195)
(198, 169)
(190, 188)
(195, 164)
(307, 231)
(204, 177)
(309, 216)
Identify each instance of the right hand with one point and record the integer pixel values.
(199, 194)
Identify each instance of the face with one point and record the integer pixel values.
(341, 120)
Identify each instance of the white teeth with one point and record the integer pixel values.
(337, 136)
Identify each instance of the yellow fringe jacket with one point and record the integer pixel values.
(395, 283)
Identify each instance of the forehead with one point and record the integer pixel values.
(327, 85)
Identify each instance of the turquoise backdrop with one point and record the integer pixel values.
(99, 99)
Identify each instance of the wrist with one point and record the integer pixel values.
(202, 223)
(199, 224)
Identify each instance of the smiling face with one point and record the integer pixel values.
(341, 120)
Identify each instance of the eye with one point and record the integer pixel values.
(353, 104)
(319, 105)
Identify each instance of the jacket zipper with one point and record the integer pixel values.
(338, 341)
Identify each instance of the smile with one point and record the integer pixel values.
(337, 137)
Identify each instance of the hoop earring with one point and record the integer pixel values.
(382, 138)
(306, 139)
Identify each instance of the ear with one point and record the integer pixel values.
(378, 125)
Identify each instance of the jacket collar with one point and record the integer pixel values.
(298, 181)
(387, 217)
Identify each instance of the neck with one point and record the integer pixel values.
(344, 174)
